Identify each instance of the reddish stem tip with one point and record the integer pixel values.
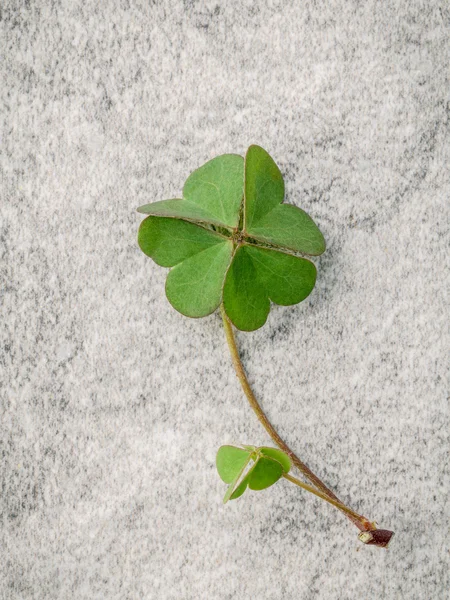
(377, 537)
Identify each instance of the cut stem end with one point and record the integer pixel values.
(377, 537)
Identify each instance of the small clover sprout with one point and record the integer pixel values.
(255, 468)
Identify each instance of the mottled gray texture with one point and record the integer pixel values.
(113, 405)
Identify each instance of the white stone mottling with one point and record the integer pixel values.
(113, 405)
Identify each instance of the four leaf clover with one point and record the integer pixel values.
(231, 239)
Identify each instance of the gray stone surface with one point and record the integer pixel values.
(113, 405)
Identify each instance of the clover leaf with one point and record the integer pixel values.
(269, 464)
(231, 239)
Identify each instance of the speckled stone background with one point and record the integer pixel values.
(113, 405)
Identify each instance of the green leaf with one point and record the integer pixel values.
(170, 241)
(257, 275)
(178, 208)
(289, 227)
(229, 492)
(218, 187)
(266, 218)
(265, 473)
(237, 487)
(287, 279)
(264, 185)
(277, 455)
(240, 484)
(194, 287)
(230, 461)
(212, 194)
(244, 298)
(240, 489)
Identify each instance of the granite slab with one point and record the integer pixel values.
(113, 405)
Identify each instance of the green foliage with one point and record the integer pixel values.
(258, 275)
(250, 467)
(230, 461)
(278, 455)
(265, 473)
(194, 287)
(231, 239)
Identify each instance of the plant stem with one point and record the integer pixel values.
(309, 488)
(321, 490)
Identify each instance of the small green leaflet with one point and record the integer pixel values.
(231, 239)
(212, 194)
(250, 467)
(230, 460)
(278, 455)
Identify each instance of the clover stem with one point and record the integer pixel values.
(363, 524)
(309, 488)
